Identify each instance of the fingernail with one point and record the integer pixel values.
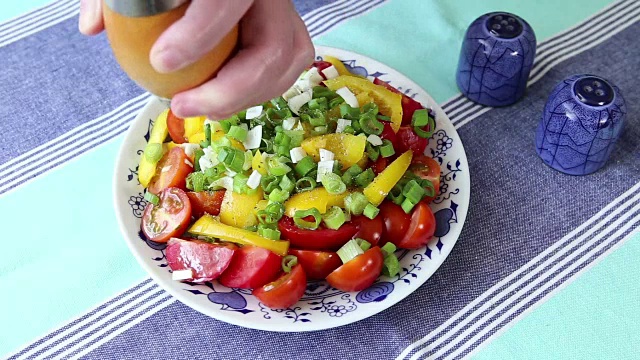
(88, 13)
(165, 61)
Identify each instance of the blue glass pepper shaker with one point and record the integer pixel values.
(581, 123)
(496, 59)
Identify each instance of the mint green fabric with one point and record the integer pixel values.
(12, 9)
(596, 317)
(79, 273)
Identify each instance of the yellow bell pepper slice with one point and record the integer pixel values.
(388, 178)
(339, 65)
(258, 163)
(318, 198)
(207, 225)
(364, 98)
(348, 149)
(193, 125)
(389, 103)
(239, 209)
(159, 131)
(196, 138)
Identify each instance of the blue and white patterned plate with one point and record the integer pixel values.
(322, 306)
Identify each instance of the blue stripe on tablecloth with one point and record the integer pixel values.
(477, 135)
(96, 80)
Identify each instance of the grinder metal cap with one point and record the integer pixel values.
(142, 8)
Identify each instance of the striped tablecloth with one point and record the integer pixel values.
(534, 274)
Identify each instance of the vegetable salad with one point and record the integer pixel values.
(326, 181)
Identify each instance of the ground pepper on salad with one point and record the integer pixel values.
(326, 181)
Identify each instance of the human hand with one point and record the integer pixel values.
(274, 49)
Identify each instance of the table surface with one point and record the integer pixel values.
(50, 258)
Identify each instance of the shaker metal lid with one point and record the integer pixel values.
(141, 8)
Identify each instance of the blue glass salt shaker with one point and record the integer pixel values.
(582, 120)
(496, 59)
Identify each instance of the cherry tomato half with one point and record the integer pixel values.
(396, 222)
(421, 229)
(408, 140)
(169, 218)
(319, 239)
(175, 125)
(389, 134)
(284, 292)
(426, 168)
(317, 264)
(369, 229)
(251, 267)
(205, 260)
(409, 106)
(358, 273)
(172, 171)
(206, 202)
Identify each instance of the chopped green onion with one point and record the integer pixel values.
(275, 211)
(383, 118)
(288, 262)
(318, 104)
(372, 152)
(196, 159)
(334, 218)
(278, 195)
(305, 166)
(248, 160)
(225, 125)
(428, 187)
(391, 265)
(287, 184)
(282, 139)
(421, 119)
(232, 158)
(349, 175)
(323, 91)
(386, 149)
(152, 198)
(395, 195)
(355, 203)
(297, 136)
(298, 218)
(388, 249)
(238, 133)
(413, 191)
(269, 183)
(196, 181)
(348, 112)
(407, 205)
(333, 184)
(279, 103)
(370, 125)
(371, 211)
(336, 101)
(278, 129)
(305, 184)
(269, 233)
(349, 251)
(349, 130)
(337, 168)
(277, 166)
(207, 133)
(365, 178)
(153, 152)
(216, 172)
(370, 108)
(240, 184)
(364, 244)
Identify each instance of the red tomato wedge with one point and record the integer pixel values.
(369, 229)
(409, 106)
(205, 260)
(321, 65)
(421, 229)
(408, 140)
(379, 165)
(175, 125)
(317, 264)
(172, 171)
(284, 292)
(396, 222)
(389, 134)
(251, 267)
(358, 273)
(426, 168)
(169, 218)
(205, 202)
(319, 239)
